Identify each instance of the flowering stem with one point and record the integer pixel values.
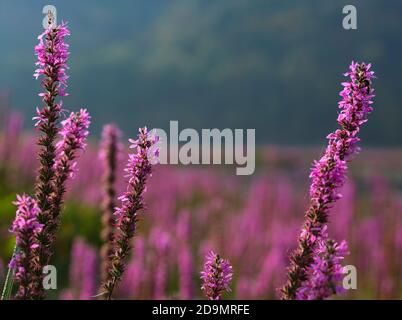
(139, 168)
(326, 272)
(328, 174)
(52, 54)
(25, 260)
(74, 133)
(216, 276)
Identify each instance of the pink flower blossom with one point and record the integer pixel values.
(216, 276)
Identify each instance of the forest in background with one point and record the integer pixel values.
(269, 65)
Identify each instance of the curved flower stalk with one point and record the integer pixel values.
(328, 174)
(326, 272)
(216, 276)
(25, 261)
(110, 153)
(52, 53)
(138, 169)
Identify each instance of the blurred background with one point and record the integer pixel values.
(275, 66)
(270, 65)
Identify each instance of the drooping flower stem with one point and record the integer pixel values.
(329, 173)
(216, 276)
(139, 168)
(110, 150)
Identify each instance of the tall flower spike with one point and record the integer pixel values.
(110, 151)
(52, 53)
(74, 133)
(328, 174)
(326, 272)
(25, 262)
(138, 169)
(216, 276)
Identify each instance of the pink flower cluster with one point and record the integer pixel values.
(326, 272)
(74, 133)
(52, 53)
(138, 168)
(25, 228)
(328, 174)
(216, 276)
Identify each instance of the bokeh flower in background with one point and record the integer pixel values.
(216, 276)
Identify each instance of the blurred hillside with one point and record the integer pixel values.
(270, 65)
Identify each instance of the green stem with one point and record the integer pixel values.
(8, 284)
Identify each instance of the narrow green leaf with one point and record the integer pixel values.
(8, 284)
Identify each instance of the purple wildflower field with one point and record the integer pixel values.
(117, 224)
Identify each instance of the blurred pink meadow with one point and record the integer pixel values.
(252, 221)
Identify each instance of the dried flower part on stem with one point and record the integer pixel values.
(25, 261)
(216, 276)
(329, 173)
(138, 169)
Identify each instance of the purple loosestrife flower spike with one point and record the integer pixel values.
(326, 272)
(52, 53)
(25, 261)
(328, 174)
(216, 276)
(138, 169)
(74, 133)
(110, 153)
